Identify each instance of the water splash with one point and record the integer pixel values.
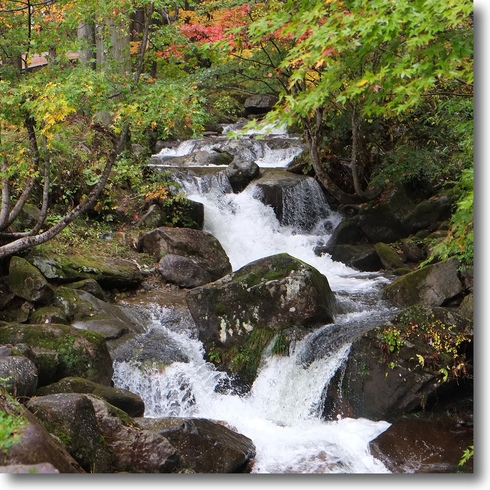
(281, 414)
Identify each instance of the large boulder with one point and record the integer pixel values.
(18, 375)
(238, 315)
(297, 200)
(71, 418)
(422, 355)
(131, 403)
(430, 444)
(182, 271)
(361, 257)
(206, 446)
(260, 103)
(109, 272)
(134, 449)
(59, 351)
(85, 311)
(27, 282)
(432, 285)
(201, 247)
(29, 444)
(241, 172)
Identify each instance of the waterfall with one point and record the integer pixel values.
(282, 411)
(281, 414)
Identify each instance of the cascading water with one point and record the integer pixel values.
(282, 412)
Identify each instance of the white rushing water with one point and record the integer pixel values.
(282, 412)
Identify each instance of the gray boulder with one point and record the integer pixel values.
(240, 173)
(71, 418)
(182, 271)
(238, 315)
(26, 281)
(206, 446)
(202, 248)
(33, 445)
(131, 403)
(433, 285)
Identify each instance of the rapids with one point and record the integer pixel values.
(282, 412)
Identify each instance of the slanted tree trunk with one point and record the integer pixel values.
(26, 242)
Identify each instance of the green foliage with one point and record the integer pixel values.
(439, 345)
(11, 424)
(459, 242)
(468, 453)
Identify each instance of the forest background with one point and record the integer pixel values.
(381, 91)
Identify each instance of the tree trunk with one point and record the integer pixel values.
(313, 133)
(25, 243)
(86, 34)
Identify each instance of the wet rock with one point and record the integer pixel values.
(237, 316)
(407, 364)
(240, 173)
(415, 445)
(361, 257)
(206, 446)
(131, 403)
(260, 104)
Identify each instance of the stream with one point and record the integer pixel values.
(282, 413)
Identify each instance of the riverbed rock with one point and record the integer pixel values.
(71, 418)
(86, 312)
(422, 355)
(199, 246)
(18, 375)
(361, 257)
(34, 444)
(430, 444)
(134, 449)
(432, 285)
(182, 271)
(239, 314)
(109, 272)
(240, 173)
(27, 282)
(207, 446)
(260, 103)
(130, 402)
(61, 350)
(297, 200)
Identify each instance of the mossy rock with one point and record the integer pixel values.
(27, 282)
(61, 351)
(48, 314)
(432, 285)
(388, 256)
(109, 272)
(131, 403)
(69, 301)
